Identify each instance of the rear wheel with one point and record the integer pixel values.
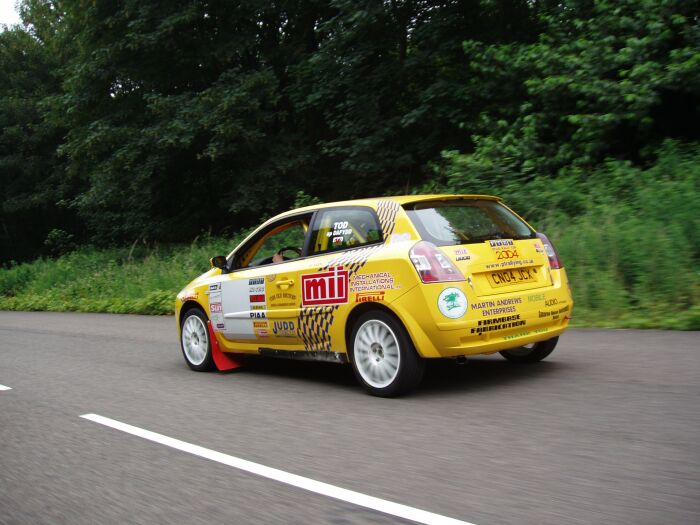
(383, 357)
(531, 353)
(194, 340)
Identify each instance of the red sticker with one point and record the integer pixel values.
(324, 288)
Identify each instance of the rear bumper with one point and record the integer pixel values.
(490, 324)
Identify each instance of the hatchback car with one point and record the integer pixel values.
(383, 284)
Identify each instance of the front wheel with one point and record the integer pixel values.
(194, 340)
(383, 357)
(531, 353)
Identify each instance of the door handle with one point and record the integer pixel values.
(285, 284)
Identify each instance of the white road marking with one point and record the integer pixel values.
(3, 387)
(325, 489)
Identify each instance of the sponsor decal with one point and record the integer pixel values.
(214, 287)
(284, 329)
(498, 307)
(271, 277)
(366, 282)
(506, 264)
(551, 302)
(257, 307)
(366, 297)
(189, 297)
(262, 332)
(539, 248)
(259, 324)
(325, 288)
(258, 288)
(337, 241)
(339, 229)
(215, 308)
(506, 254)
(257, 298)
(462, 254)
(499, 320)
(452, 303)
(281, 296)
(498, 243)
(282, 299)
(524, 334)
(535, 297)
(554, 314)
(256, 280)
(258, 315)
(500, 326)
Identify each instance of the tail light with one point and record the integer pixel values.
(554, 261)
(432, 265)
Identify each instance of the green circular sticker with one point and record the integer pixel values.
(452, 303)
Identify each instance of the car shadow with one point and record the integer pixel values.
(441, 376)
(480, 373)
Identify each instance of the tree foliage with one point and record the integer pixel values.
(160, 119)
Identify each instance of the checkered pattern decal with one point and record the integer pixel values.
(386, 211)
(315, 321)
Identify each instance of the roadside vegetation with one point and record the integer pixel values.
(630, 250)
(159, 120)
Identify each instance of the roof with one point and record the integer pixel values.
(400, 199)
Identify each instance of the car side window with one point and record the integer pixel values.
(279, 243)
(342, 228)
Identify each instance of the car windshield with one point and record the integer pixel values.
(447, 223)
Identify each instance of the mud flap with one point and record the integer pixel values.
(222, 360)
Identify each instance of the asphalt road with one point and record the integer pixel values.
(606, 430)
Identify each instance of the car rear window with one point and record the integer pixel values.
(447, 223)
(343, 228)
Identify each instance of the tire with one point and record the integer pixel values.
(531, 353)
(194, 341)
(383, 357)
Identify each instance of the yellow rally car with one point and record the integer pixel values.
(382, 283)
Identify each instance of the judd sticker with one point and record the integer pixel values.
(452, 303)
(284, 328)
(325, 288)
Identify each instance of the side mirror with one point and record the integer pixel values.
(219, 262)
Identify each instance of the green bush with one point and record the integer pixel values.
(136, 280)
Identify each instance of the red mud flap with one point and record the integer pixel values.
(222, 361)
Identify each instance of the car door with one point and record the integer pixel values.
(259, 297)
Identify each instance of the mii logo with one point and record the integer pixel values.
(323, 288)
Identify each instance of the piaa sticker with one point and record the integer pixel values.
(452, 303)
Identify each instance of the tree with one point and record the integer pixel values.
(605, 79)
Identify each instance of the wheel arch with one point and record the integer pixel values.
(363, 308)
(186, 307)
